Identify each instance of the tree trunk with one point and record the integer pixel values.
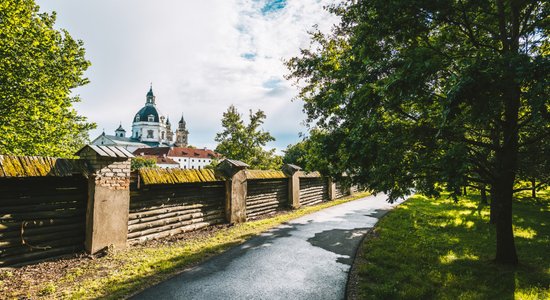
(483, 192)
(505, 248)
(464, 191)
(506, 159)
(533, 189)
(493, 209)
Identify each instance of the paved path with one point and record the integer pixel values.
(307, 258)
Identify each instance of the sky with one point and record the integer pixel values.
(200, 56)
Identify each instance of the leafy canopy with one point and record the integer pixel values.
(246, 142)
(39, 66)
(414, 93)
(419, 95)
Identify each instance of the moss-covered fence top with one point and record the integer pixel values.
(264, 174)
(36, 166)
(172, 176)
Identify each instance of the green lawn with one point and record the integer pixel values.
(434, 248)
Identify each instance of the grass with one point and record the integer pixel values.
(438, 249)
(122, 273)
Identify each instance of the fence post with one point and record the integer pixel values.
(235, 189)
(292, 171)
(108, 196)
(331, 189)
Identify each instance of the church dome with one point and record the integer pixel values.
(148, 113)
(145, 112)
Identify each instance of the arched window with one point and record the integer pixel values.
(151, 118)
(137, 118)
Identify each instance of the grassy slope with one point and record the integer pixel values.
(122, 273)
(438, 249)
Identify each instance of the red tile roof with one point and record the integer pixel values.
(177, 152)
(162, 160)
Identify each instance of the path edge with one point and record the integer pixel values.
(351, 282)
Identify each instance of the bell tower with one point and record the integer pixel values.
(181, 134)
(169, 133)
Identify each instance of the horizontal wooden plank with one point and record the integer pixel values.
(41, 238)
(10, 225)
(174, 222)
(43, 215)
(38, 255)
(32, 231)
(75, 241)
(171, 230)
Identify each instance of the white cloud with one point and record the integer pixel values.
(201, 56)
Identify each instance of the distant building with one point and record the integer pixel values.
(112, 140)
(163, 162)
(150, 128)
(187, 158)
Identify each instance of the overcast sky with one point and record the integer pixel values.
(201, 56)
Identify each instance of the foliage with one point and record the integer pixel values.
(426, 249)
(296, 154)
(213, 164)
(534, 166)
(39, 66)
(246, 142)
(309, 153)
(142, 162)
(425, 95)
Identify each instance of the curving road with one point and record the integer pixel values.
(307, 258)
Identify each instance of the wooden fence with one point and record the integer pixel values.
(313, 190)
(265, 196)
(339, 191)
(51, 207)
(41, 217)
(167, 209)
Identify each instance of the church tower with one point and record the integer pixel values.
(169, 133)
(149, 125)
(181, 134)
(120, 132)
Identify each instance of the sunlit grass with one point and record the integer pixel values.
(435, 248)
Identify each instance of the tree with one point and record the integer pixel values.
(309, 153)
(296, 154)
(39, 66)
(534, 167)
(143, 162)
(419, 95)
(245, 142)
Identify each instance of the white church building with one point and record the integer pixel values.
(150, 128)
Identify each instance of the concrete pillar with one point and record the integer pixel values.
(293, 172)
(108, 198)
(331, 189)
(235, 190)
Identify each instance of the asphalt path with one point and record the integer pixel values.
(306, 258)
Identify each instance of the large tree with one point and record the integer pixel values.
(422, 94)
(39, 66)
(246, 142)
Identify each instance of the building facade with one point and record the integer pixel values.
(187, 158)
(150, 128)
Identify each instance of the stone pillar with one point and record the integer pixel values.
(293, 172)
(235, 190)
(331, 189)
(108, 199)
